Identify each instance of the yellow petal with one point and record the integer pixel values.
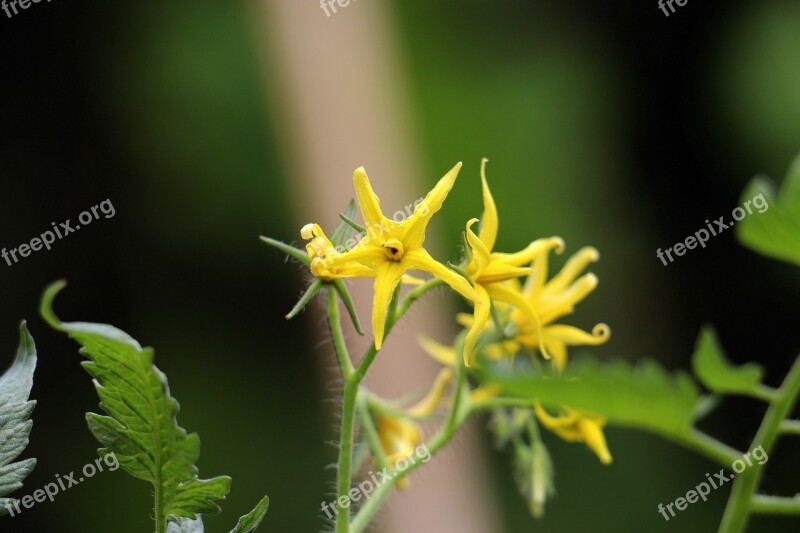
(480, 253)
(483, 307)
(537, 248)
(367, 200)
(408, 279)
(430, 402)
(365, 253)
(497, 271)
(558, 351)
(387, 276)
(561, 425)
(572, 336)
(489, 221)
(563, 303)
(572, 269)
(413, 232)
(595, 439)
(464, 319)
(439, 352)
(420, 259)
(507, 295)
(486, 392)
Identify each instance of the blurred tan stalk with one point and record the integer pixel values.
(339, 81)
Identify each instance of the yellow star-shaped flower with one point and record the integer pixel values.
(391, 248)
(488, 269)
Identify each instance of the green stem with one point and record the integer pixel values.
(717, 451)
(455, 419)
(352, 381)
(335, 321)
(790, 427)
(371, 431)
(376, 499)
(742, 499)
(344, 465)
(775, 505)
(161, 520)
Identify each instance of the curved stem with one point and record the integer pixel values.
(704, 444)
(742, 500)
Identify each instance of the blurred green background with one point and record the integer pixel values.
(606, 123)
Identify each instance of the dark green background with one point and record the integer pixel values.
(606, 122)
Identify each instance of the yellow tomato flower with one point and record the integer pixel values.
(572, 426)
(551, 300)
(391, 248)
(487, 269)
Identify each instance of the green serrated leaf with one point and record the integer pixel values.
(15, 423)
(717, 374)
(644, 396)
(774, 233)
(141, 428)
(250, 522)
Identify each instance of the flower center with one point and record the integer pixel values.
(393, 249)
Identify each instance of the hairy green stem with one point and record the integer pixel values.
(379, 495)
(344, 466)
(742, 500)
(371, 431)
(353, 376)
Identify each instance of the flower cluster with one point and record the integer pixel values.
(516, 310)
